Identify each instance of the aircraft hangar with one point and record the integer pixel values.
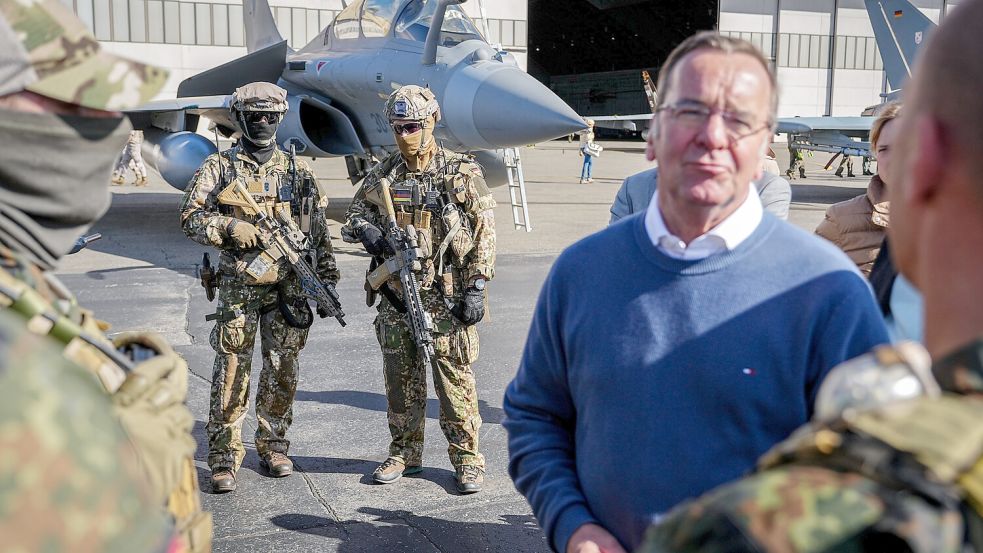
(590, 52)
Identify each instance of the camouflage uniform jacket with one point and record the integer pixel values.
(58, 422)
(172, 479)
(905, 477)
(273, 183)
(456, 189)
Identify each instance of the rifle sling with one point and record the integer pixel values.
(390, 295)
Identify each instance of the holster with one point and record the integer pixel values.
(209, 277)
(370, 293)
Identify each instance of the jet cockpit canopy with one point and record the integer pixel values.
(376, 18)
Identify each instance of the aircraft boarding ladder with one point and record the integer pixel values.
(517, 190)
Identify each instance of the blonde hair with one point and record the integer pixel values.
(712, 40)
(888, 112)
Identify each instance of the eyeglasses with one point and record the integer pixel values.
(695, 115)
(406, 128)
(271, 117)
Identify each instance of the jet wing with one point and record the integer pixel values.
(846, 125)
(619, 122)
(197, 105)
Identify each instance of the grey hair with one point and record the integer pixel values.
(712, 40)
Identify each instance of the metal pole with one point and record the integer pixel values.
(832, 59)
(776, 26)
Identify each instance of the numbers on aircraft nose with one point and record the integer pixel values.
(381, 126)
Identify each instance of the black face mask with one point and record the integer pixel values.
(260, 131)
(259, 127)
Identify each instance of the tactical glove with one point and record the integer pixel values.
(244, 235)
(373, 240)
(471, 308)
(150, 404)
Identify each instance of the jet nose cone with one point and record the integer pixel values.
(511, 108)
(504, 108)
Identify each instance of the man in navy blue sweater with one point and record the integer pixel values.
(670, 350)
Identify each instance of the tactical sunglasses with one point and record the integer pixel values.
(406, 128)
(271, 117)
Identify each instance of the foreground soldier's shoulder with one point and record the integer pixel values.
(796, 508)
(78, 426)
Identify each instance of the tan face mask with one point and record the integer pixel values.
(418, 148)
(409, 145)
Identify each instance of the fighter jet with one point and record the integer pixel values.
(338, 83)
(899, 29)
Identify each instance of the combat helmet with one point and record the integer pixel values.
(262, 97)
(259, 96)
(412, 102)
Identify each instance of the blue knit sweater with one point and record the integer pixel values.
(648, 380)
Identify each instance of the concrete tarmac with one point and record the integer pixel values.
(141, 275)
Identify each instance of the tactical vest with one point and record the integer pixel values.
(51, 310)
(929, 446)
(432, 201)
(278, 193)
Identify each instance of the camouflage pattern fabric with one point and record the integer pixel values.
(69, 477)
(131, 159)
(203, 222)
(406, 386)
(246, 307)
(233, 342)
(52, 53)
(806, 509)
(456, 344)
(159, 431)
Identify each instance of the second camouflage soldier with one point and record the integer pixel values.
(425, 215)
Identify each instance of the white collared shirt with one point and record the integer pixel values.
(727, 235)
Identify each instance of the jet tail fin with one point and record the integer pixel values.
(900, 29)
(262, 65)
(261, 30)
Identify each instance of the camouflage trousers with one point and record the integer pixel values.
(406, 387)
(252, 308)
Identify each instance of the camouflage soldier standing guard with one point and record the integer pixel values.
(255, 291)
(444, 197)
(96, 439)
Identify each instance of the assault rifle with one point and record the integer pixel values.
(281, 238)
(405, 261)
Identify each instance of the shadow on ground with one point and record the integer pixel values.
(404, 531)
(377, 402)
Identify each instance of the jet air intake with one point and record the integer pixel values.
(317, 129)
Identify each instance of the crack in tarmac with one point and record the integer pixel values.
(332, 514)
(421, 531)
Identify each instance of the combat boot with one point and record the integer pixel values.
(850, 174)
(392, 469)
(802, 172)
(469, 479)
(223, 481)
(868, 173)
(839, 173)
(790, 174)
(277, 464)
